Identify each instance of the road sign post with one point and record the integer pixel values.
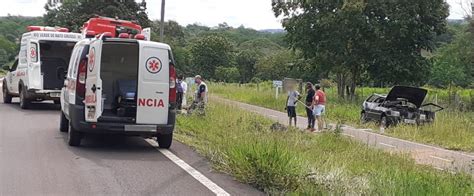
(277, 84)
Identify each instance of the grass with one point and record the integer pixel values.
(452, 130)
(294, 163)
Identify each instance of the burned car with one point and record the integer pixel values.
(402, 105)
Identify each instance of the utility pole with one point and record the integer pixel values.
(162, 24)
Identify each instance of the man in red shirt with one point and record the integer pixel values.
(319, 103)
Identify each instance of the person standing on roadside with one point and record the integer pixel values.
(291, 102)
(184, 86)
(179, 92)
(309, 102)
(201, 95)
(318, 105)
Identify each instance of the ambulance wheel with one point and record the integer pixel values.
(7, 98)
(24, 102)
(74, 137)
(63, 123)
(164, 140)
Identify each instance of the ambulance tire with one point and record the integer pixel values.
(63, 123)
(164, 140)
(74, 137)
(24, 102)
(7, 98)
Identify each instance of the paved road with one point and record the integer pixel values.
(36, 160)
(439, 158)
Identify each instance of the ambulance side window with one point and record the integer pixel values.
(171, 57)
(22, 57)
(15, 65)
(77, 58)
(72, 62)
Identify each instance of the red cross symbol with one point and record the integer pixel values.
(153, 65)
(91, 58)
(33, 53)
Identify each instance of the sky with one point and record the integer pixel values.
(255, 14)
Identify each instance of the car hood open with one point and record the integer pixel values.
(412, 94)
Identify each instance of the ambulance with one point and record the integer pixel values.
(119, 83)
(38, 72)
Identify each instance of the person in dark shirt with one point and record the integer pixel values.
(179, 92)
(309, 101)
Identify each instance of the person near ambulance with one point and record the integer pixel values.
(318, 106)
(179, 92)
(184, 86)
(200, 100)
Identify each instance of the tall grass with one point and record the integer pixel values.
(291, 162)
(452, 129)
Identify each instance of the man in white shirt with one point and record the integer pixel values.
(291, 102)
(184, 86)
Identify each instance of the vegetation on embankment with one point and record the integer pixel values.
(452, 129)
(242, 144)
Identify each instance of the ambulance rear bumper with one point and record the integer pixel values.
(78, 122)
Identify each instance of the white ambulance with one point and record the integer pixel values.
(119, 85)
(38, 73)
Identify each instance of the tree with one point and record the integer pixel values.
(73, 13)
(227, 74)
(351, 37)
(246, 61)
(453, 62)
(277, 66)
(209, 52)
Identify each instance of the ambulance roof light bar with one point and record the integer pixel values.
(43, 28)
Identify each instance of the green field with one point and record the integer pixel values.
(452, 129)
(241, 144)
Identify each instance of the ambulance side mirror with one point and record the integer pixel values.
(6, 68)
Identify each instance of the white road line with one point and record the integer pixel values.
(384, 144)
(349, 135)
(439, 158)
(190, 170)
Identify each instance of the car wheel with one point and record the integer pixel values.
(164, 140)
(63, 123)
(363, 118)
(7, 98)
(383, 122)
(74, 137)
(24, 102)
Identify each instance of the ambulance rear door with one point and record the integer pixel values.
(153, 84)
(93, 99)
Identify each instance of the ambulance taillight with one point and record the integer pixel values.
(172, 96)
(81, 78)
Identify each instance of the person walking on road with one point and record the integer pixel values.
(309, 102)
(291, 102)
(319, 103)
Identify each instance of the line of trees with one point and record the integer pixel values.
(351, 42)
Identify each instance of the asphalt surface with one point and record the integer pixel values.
(36, 160)
(437, 157)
